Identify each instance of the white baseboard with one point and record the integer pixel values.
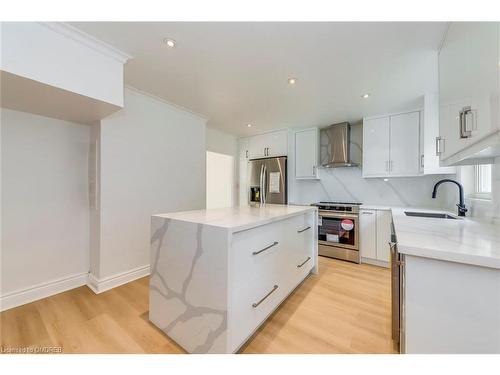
(47, 289)
(110, 282)
(42, 290)
(375, 262)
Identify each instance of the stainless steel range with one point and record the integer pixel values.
(338, 231)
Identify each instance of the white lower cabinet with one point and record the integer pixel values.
(384, 218)
(368, 234)
(265, 265)
(375, 234)
(450, 308)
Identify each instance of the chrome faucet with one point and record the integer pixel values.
(461, 205)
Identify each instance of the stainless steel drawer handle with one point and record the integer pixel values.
(367, 213)
(303, 230)
(254, 305)
(266, 248)
(304, 262)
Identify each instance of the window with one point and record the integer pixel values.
(482, 181)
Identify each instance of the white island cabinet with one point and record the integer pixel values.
(216, 275)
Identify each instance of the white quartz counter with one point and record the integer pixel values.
(465, 240)
(239, 218)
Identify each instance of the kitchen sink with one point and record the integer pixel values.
(434, 215)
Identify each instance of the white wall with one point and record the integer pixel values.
(225, 143)
(152, 160)
(45, 216)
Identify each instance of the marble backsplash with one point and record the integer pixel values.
(347, 184)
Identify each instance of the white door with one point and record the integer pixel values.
(243, 170)
(219, 180)
(306, 153)
(383, 235)
(376, 134)
(405, 145)
(368, 233)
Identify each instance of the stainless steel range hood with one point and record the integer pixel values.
(336, 143)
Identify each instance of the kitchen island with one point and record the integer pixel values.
(216, 275)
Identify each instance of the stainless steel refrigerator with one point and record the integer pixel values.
(267, 181)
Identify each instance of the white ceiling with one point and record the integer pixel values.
(236, 73)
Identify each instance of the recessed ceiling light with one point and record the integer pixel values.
(249, 125)
(292, 81)
(365, 96)
(169, 42)
(386, 179)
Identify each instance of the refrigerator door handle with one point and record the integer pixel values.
(264, 184)
(261, 184)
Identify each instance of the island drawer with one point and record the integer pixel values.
(251, 305)
(271, 249)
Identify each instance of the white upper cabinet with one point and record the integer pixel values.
(268, 144)
(430, 158)
(404, 144)
(306, 153)
(376, 156)
(469, 100)
(278, 143)
(243, 144)
(391, 145)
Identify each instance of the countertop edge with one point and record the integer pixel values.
(243, 227)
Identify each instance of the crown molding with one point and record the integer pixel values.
(165, 101)
(88, 40)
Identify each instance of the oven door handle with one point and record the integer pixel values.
(337, 215)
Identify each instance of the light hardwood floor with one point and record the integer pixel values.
(346, 309)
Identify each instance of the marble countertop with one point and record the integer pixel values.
(464, 240)
(239, 218)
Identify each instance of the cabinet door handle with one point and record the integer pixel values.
(303, 230)
(367, 213)
(440, 144)
(466, 128)
(266, 248)
(304, 262)
(422, 161)
(255, 304)
(246, 154)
